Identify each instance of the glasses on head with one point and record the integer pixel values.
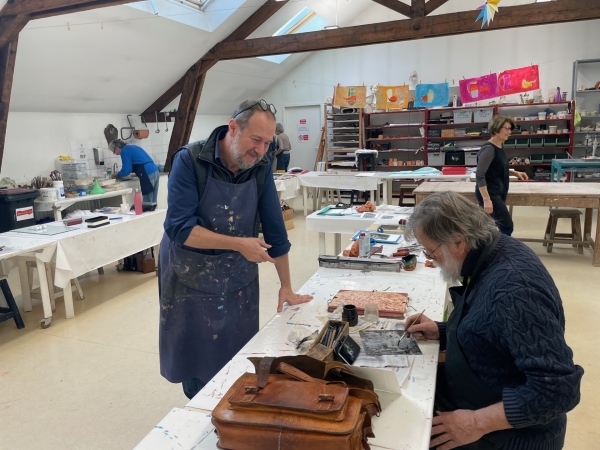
(263, 104)
(430, 255)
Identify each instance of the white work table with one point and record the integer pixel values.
(407, 415)
(287, 188)
(342, 181)
(349, 224)
(60, 205)
(80, 251)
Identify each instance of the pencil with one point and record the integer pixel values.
(415, 322)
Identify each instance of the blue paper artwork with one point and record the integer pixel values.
(431, 95)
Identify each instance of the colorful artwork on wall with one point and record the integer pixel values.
(391, 97)
(488, 10)
(431, 95)
(350, 96)
(479, 88)
(514, 81)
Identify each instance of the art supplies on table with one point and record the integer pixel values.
(390, 304)
(328, 339)
(364, 264)
(46, 230)
(381, 238)
(98, 221)
(108, 210)
(388, 342)
(71, 222)
(333, 211)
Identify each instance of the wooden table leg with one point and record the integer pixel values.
(25, 287)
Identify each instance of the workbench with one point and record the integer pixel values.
(58, 206)
(568, 195)
(580, 165)
(287, 188)
(404, 423)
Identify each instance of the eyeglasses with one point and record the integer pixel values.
(430, 255)
(508, 128)
(263, 104)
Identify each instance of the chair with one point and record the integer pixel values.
(12, 312)
(574, 235)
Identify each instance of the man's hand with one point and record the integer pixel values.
(521, 176)
(287, 295)
(254, 250)
(454, 429)
(425, 329)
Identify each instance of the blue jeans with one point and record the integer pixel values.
(152, 196)
(285, 161)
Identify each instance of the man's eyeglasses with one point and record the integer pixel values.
(262, 103)
(430, 255)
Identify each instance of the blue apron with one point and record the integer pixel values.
(145, 183)
(209, 298)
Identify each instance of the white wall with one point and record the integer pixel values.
(35, 140)
(553, 47)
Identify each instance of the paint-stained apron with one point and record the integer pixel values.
(209, 298)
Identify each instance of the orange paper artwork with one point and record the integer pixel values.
(391, 97)
(391, 304)
(350, 96)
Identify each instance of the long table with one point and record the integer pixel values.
(80, 251)
(405, 422)
(572, 195)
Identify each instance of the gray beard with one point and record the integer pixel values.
(450, 270)
(237, 155)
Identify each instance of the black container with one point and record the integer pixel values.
(454, 158)
(16, 208)
(350, 315)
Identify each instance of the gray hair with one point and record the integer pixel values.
(279, 127)
(243, 118)
(442, 215)
(117, 143)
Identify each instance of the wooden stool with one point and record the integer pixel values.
(12, 312)
(574, 235)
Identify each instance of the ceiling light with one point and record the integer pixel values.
(333, 27)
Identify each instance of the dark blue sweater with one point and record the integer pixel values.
(512, 335)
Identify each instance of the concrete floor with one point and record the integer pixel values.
(93, 382)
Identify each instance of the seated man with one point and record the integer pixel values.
(509, 378)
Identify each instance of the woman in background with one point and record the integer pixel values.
(283, 148)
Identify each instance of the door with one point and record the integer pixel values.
(303, 126)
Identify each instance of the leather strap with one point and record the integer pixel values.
(263, 371)
(298, 374)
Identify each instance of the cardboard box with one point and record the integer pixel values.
(448, 133)
(288, 215)
(320, 351)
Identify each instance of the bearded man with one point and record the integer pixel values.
(509, 378)
(219, 189)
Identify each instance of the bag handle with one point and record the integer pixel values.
(296, 373)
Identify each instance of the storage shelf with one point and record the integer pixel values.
(396, 139)
(544, 120)
(537, 148)
(486, 137)
(459, 125)
(385, 127)
(343, 114)
(402, 111)
(520, 105)
(589, 91)
(458, 108)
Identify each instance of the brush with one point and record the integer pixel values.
(414, 323)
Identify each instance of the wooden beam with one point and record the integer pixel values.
(417, 8)
(75, 8)
(188, 105)
(8, 56)
(432, 5)
(260, 16)
(395, 5)
(18, 7)
(10, 27)
(409, 29)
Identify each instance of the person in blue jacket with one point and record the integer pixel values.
(219, 189)
(135, 159)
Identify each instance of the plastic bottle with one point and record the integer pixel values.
(137, 202)
(364, 245)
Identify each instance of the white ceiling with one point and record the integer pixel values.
(121, 59)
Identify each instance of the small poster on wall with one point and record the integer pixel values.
(431, 95)
(350, 96)
(391, 97)
(479, 88)
(303, 130)
(514, 81)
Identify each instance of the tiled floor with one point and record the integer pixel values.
(92, 382)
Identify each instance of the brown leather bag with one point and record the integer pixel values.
(284, 408)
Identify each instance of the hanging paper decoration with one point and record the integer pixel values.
(350, 96)
(487, 12)
(391, 97)
(479, 88)
(430, 95)
(523, 79)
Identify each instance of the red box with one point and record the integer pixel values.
(446, 170)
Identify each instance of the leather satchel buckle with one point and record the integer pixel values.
(252, 389)
(326, 397)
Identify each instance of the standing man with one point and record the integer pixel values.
(283, 148)
(135, 159)
(209, 255)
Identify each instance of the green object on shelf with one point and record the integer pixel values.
(96, 190)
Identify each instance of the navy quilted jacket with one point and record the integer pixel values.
(512, 335)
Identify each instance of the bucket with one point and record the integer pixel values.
(541, 115)
(60, 189)
(48, 194)
(553, 129)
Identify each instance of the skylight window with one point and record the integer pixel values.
(306, 20)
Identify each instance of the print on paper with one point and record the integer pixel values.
(479, 88)
(514, 81)
(391, 97)
(350, 96)
(430, 95)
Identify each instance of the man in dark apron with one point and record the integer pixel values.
(135, 159)
(208, 281)
(508, 379)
